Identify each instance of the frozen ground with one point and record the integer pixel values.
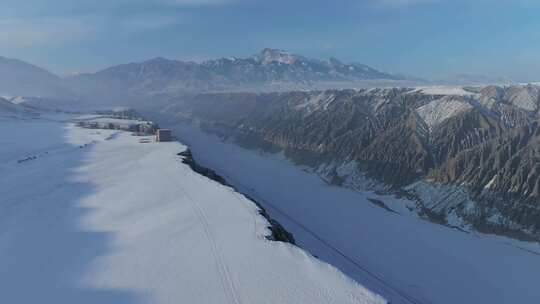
(94, 216)
(403, 258)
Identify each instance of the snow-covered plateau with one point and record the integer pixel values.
(101, 216)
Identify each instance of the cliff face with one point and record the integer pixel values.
(482, 149)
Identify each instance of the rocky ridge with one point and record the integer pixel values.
(471, 161)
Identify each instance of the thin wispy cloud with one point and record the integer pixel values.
(23, 33)
(202, 2)
(140, 22)
(400, 3)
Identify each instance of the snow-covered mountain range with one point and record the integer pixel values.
(270, 70)
(20, 78)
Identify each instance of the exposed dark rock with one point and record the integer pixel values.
(381, 204)
(278, 233)
(190, 161)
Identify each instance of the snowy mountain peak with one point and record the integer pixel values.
(269, 55)
(158, 60)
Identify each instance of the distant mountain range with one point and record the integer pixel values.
(270, 70)
(20, 78)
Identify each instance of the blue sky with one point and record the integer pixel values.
(426, 38)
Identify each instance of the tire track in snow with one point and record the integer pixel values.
(217, 251)
(227, 282)
(405, 297)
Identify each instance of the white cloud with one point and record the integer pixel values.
(18, 29)
(22, 33)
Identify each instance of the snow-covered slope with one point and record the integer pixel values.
(526, 97)
(11, 110)
(439, 110)
(44, 103)
(377, 239)
(6, 106)
(95, 216)
(18, 77)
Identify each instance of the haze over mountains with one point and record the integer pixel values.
(270, 70)
(18, 78)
